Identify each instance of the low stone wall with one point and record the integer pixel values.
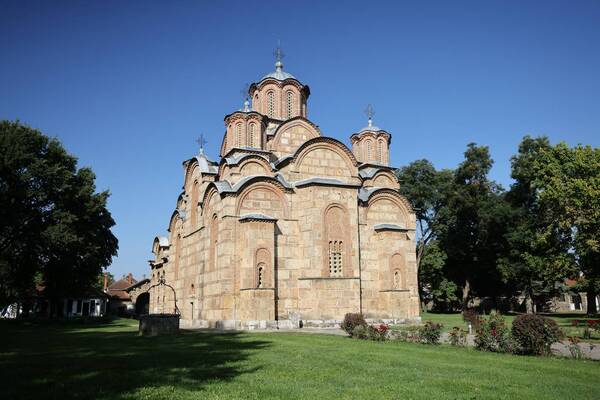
(159, 324)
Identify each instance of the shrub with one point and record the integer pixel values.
(351, 321)
(574, 348)
(535, 334)
(407, 334)
(457, 336)
(430, 332)
(378, 332)
(360, 332)
(493, 334)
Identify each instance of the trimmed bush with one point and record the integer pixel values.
(360, 332)
(535, 334)
(457, 337)
(494, 335)
(430, 333)
(351, 321)
(407, 333)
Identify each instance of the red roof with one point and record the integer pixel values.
(117, 288)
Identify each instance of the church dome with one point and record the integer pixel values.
(279, 73)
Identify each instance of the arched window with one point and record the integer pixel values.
(238, 134)
(336, 227)
(260, 275)
(178, 247)
(192, 290)
(398, 271)
(397, 279)
(263, 263)
(380, 152)
(290, 104)
(250, 139)
(194, 205)
(271, 104)
(369, 151)
(214, 235)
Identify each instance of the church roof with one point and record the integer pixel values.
(257, 217)
(279, 73)
(390, 227)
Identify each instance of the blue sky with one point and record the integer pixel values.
(127, 86)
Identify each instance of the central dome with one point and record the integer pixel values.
(279, 73)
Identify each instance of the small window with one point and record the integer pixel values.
(397, 279)
(271, 104)
(335, 258)
(369, 150)
(290, 104)
(260, 275)
(380, 152)
(238, 131)
(251, 135)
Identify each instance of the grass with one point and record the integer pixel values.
(109, 361)
(564, 321)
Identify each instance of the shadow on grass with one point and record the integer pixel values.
(47, 361)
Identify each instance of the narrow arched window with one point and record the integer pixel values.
(290, 104)
(238, 134)
(214, 227)
(271, 104)
(369, 151)
(260, 275)
(380, 152)
(250, 139)
(396, 279)
(177, 255)
(194, 205)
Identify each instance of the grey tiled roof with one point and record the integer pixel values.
(390, 227)
(365, 193)
(257, 217)
(324, 181)
(163, 241)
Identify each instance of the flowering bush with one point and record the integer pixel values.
(371, 332)
(493, 334)
(457, 336)
(535, 334)
(378, 332)
(407, 334)
(351, 321)
(430, 333)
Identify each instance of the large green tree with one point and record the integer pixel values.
(55, 228)
(537, 261)
(428, 189)
(568, 181)
(473, 227)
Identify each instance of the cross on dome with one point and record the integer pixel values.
(201, 142)
(370, 112)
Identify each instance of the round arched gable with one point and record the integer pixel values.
(287, 129)
(263, 197)
(378, 211)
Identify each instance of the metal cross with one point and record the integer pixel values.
(369, 112)
(278, 53)
(245, 90)
(201, 141)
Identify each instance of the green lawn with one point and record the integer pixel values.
(563, 320)
(77, 360)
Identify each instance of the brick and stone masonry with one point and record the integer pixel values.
(288, 225)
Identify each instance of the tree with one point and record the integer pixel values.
(473, 226)
(427, 190)
(536, 263)
(54, 225)
(434, 286)
(568, 181)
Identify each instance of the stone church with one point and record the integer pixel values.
(289, 227)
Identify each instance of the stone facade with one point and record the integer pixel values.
(288, 226)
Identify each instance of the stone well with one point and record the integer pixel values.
(159, 324)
